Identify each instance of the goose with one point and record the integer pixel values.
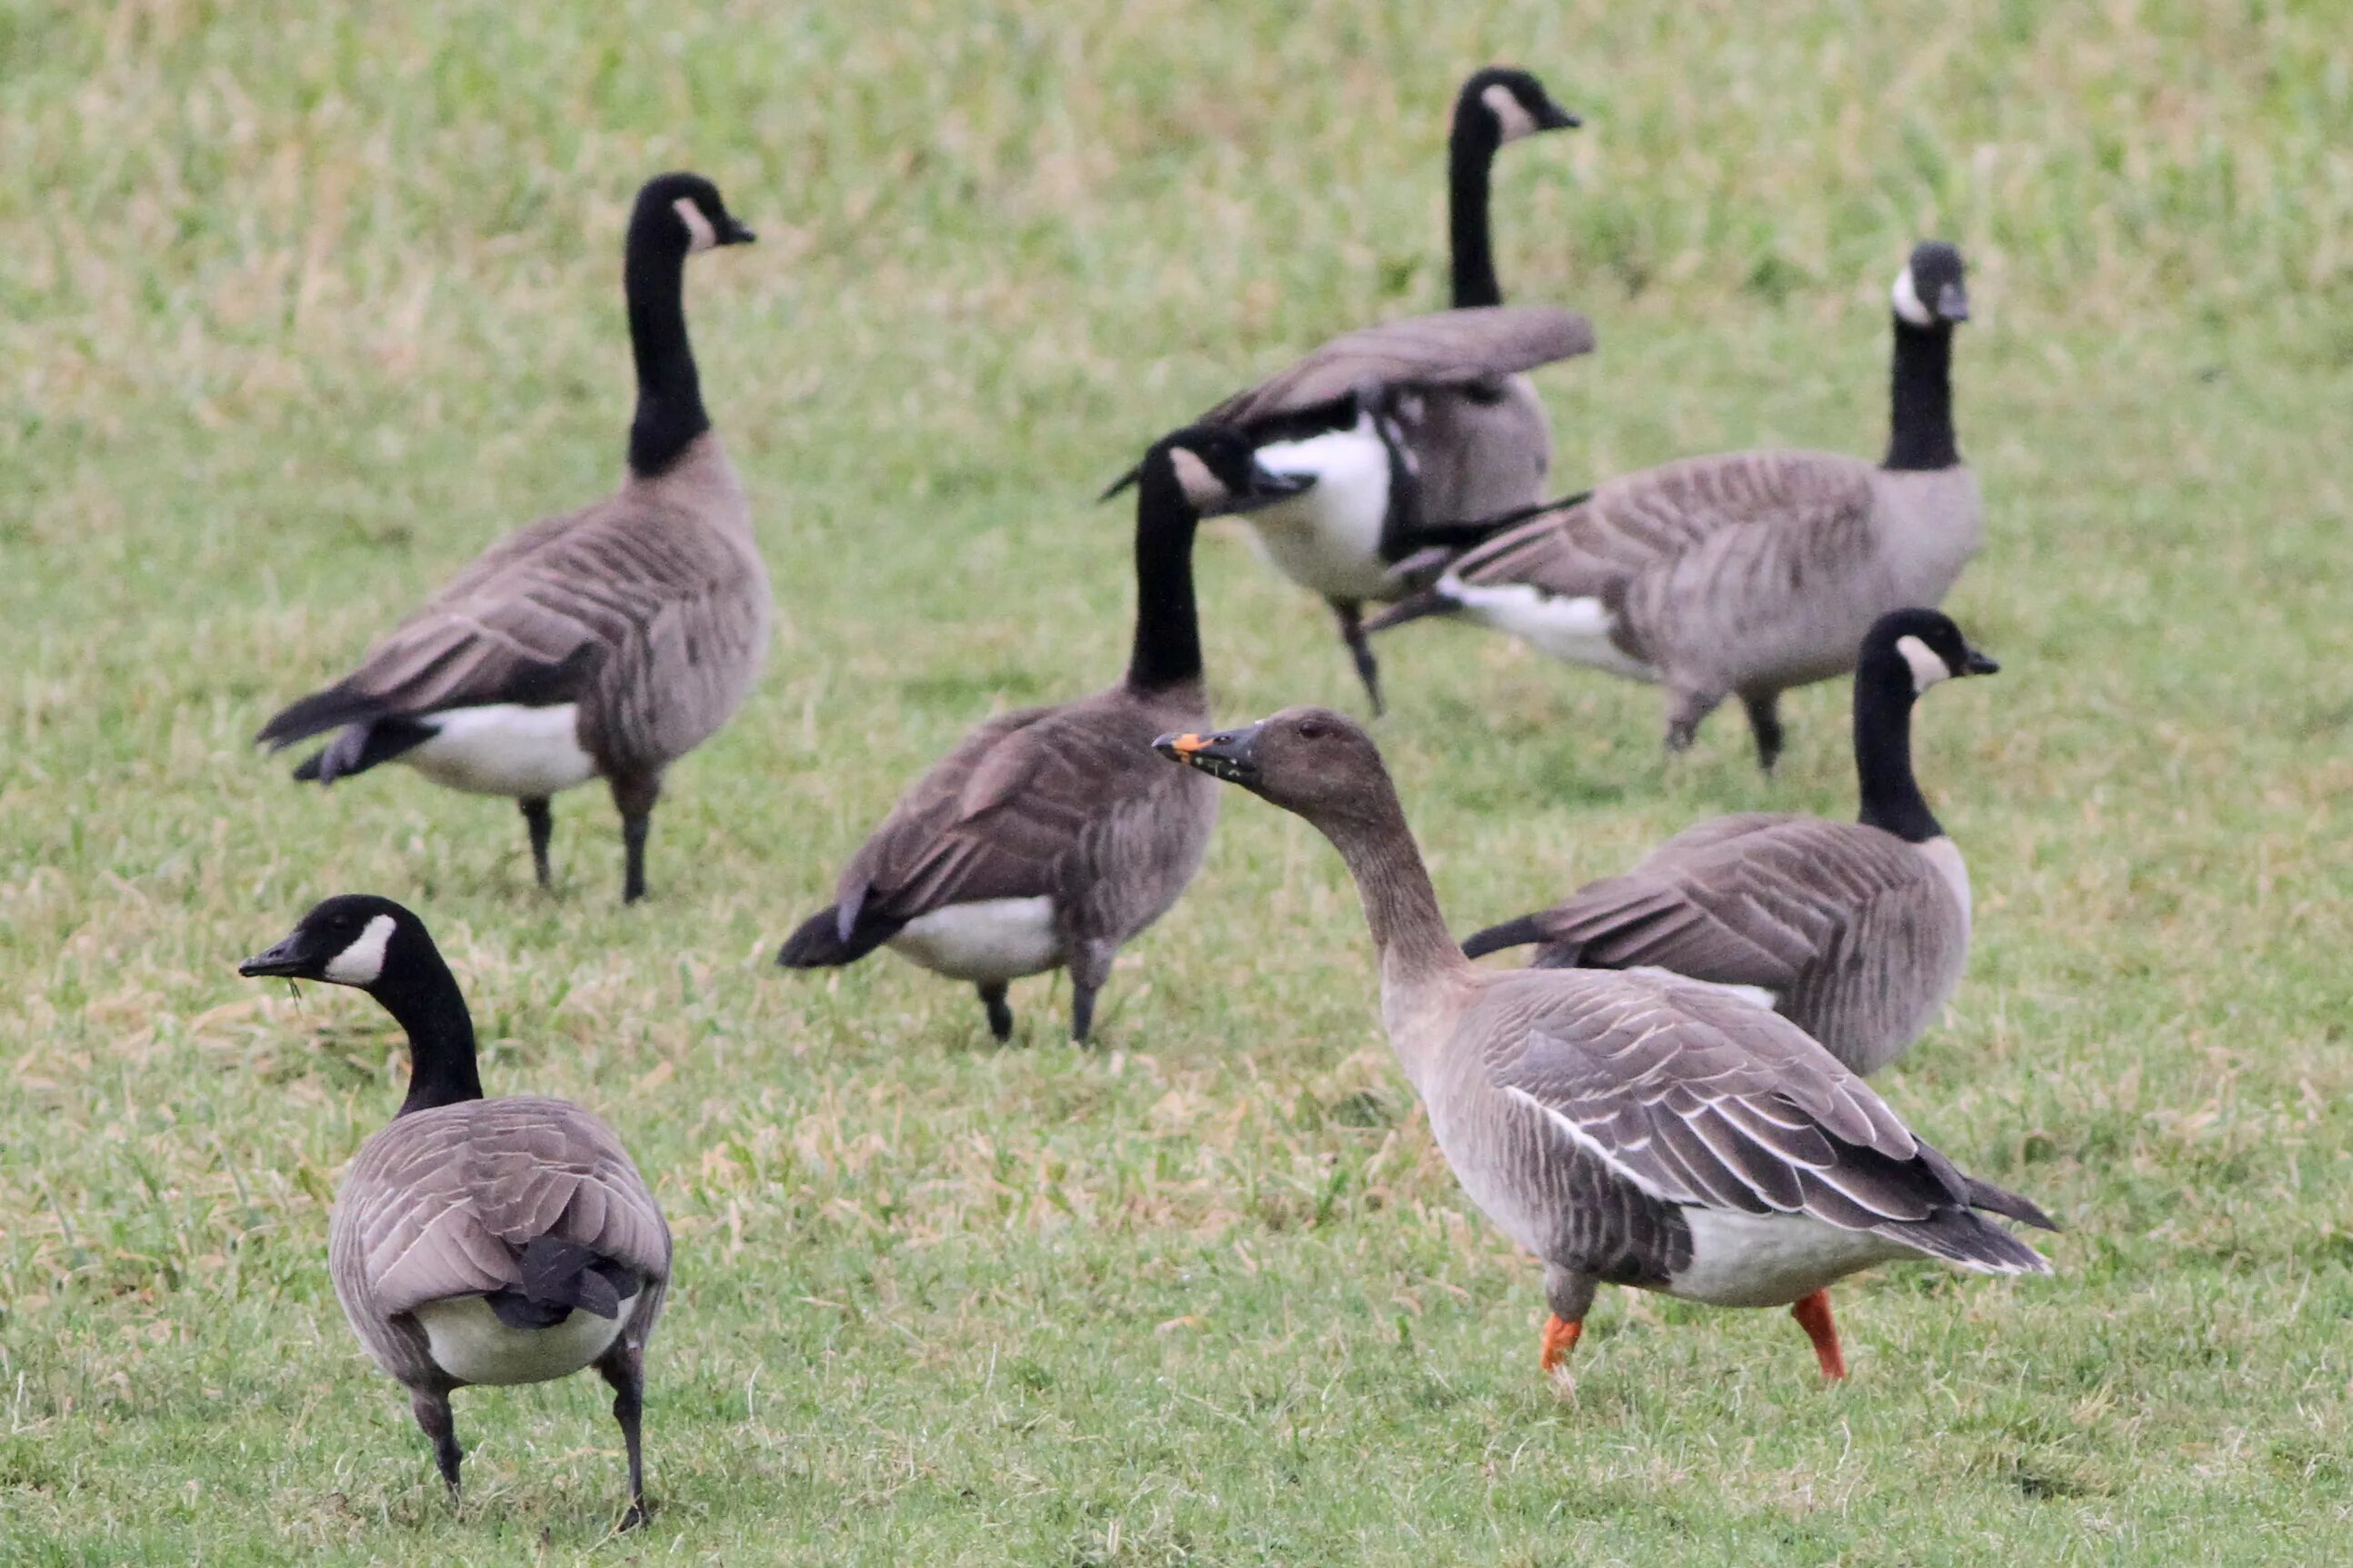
(606, 643)
(1049, 836)
(1750, 572)
(1855, 932)
(479, 1241)
(1411, 430)
(1629, 1130)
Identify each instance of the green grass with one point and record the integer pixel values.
(296, 314)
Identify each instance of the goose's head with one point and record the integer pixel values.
(685, 213)
(1919, 648)
(1217, 470)
(1501, 104)
(1309, 759)
(352, 939)
(1931, 291)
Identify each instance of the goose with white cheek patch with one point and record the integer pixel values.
(601, 644)
(1747, 573)
(1050, 836)
(1407, 435)
(479, 1241)
(1627, 1129)
(1855, 932)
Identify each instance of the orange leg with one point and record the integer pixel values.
(1560, 1336)
(1813, 1315)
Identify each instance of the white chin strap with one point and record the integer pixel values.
(1908, 301)
(1927, 667)
(1202, 488)
(1511, 117)
(363, 961)
(700, 235)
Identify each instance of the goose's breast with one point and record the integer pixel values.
(470, 1343)
(1328, 537)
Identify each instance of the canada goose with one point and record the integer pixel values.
(1855, 932)
(1409, 431)
(1049, 837)
(1750, 572)
(479, 1241)
(1631, 1130)
(604, 644)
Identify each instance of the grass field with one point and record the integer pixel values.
(298, 313)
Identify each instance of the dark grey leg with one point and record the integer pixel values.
(1089, 968)
(1685, 710)
(1765, 723)
(635, 797)
(1350, 616)
(625, 1368)
(432, 1409)
(1000, 1016)
(541, 822)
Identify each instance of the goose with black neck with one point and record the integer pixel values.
(606, 643)
(1627, 1129)
(479, 1241)
(1749, 573)
(1050, 837)
(1856, 932)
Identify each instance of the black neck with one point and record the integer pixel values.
(1167, 650)
(1920, 430)
(1471, 153)
(670, 394)
(422, 994)
(1882, 752)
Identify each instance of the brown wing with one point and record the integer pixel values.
(1000, 815)
(1451, 348)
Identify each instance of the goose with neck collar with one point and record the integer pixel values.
(1408, 435)
(1627, 1130)
(1856, 932)
(1747, 573)
(606, 643)
(1049, 837)
(477, 1240)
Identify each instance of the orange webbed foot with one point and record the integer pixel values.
(1560, 1336)
(1813, 1315)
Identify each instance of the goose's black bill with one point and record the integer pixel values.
(1229, 754)
(291, 957)
(1981, 663)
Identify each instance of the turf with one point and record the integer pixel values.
(299, 310)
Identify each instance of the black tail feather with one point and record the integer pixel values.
(1413, 607)
(333, 709)
(559, 1278)
(360, 747)
(817, 943)
(1496, 939)
(2001, 1201)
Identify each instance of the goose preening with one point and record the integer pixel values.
(1629, 1130)
(603, 643)
(1747, 573)
(1050, 836)
(479, 1241)
(1855, 932)
(1409, 432)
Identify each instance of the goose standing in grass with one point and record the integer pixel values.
(1855, 932)
(603, 643)
(1050, 836)
(1747, 573)
(1627, 1129)
(479, 1241)
(1409, 432)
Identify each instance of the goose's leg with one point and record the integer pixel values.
(1090, 969)
(431, 1407)
(1000, 1016)
(1350, 616)
(1765, 723)
(625, 1369)
(1686, 707)
(541, 822)
(1570, 1296)
(1813, 1315)
(635, 796)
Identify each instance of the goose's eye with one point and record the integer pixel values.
(1311, 730)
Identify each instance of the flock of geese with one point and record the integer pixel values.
(1668, 1098)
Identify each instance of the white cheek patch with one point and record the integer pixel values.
(700, 235)
(1927, 667)
(1906, 295)
(363, 961)
(1202, 488)
(1513, 119)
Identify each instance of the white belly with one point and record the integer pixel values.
(1575, 631)
(1770, 1260)
(987, 941)
(504, 749)
(469, 1342)
(1328, 537)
